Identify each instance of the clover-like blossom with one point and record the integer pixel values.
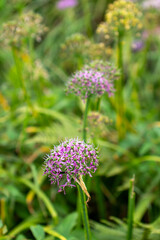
(68, 162)
(89, 82)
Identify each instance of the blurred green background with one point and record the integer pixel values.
(36, 113)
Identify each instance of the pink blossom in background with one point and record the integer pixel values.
(151, 3)
(63, 4)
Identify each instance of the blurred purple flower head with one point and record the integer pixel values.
(69, 161)
(137, 45)
(63, 4)
(151, 4)
(87, 83)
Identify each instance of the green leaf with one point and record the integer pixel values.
(21, 237)
(1, 223)
(38, 232)
(66, 226)
(142, 206)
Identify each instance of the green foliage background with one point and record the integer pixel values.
(31, 208)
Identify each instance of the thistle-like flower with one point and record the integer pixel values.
(27, 25)
(120, 17)
(69, 161)
(89, 82)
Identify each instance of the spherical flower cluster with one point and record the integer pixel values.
(63, 4)
(27, 25)
(108, 69)
(70, 161)
(79, 45)
(89, 82)
(120, 17)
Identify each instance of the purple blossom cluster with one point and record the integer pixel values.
(111, 73)
(87, 83)
(63, 4)
(69, 161)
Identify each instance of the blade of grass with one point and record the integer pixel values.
(42, 196)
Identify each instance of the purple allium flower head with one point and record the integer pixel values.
(137, 45)
(110, 72)
(69, 161)
(87, 83)
(63, 4)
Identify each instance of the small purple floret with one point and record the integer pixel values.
(63, 4)
(68, 161)
(87, 83)
(137, 45)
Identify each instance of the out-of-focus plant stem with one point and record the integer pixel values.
(20, 77)
(119, 99)
(131, 204)
(85, 119)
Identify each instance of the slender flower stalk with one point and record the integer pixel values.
(20, 77)
(84, 214)
(85, 120)
(131, 204)
(120, 83)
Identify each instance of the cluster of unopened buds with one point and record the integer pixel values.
(120, 17)
(69, 162)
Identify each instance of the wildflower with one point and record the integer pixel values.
(89, 82)
(137, 45)
(110, 72)
(28, 25)
(120, 17)
(69, 161)
(63, 4)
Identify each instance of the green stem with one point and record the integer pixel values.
(20, 77)
(85, 120)
(84, 213)
(120, 104)
(98, 104)
(131, 209)
(87, 17)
